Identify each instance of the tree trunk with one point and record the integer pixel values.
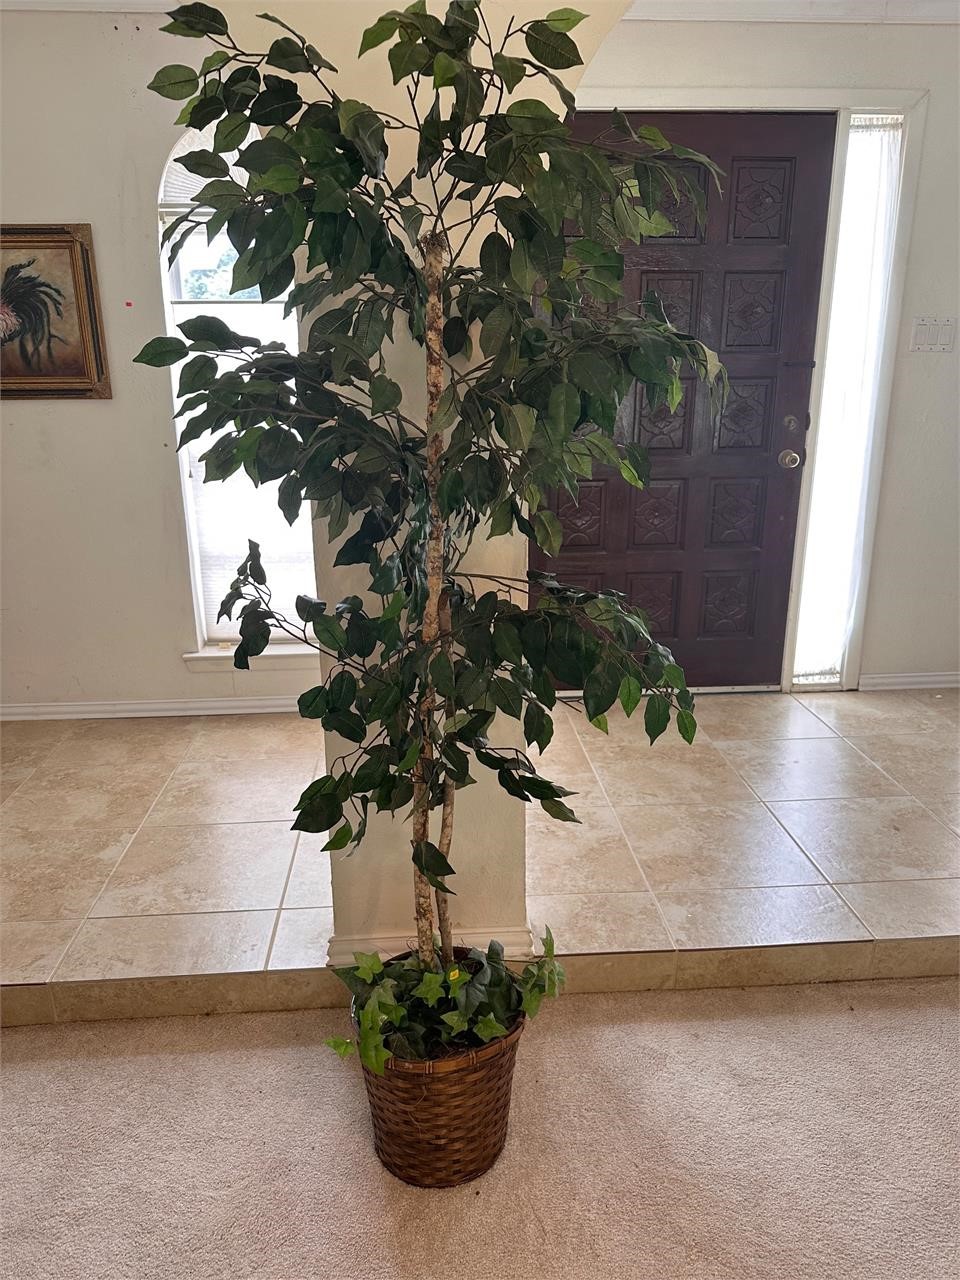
(433, 250)
(449, 797)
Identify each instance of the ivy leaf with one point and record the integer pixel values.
(430, 989)
(340, 1046)
(368, 964)
(488, 1028)
(457, 1021)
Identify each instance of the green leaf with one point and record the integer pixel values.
(428, 859)
(340, 1046)
(407, 58)
(231, 132)
(197, 20)
(673, 676)
(600, 690)
(488, 1028)
(631, 694)
(656, 716)
(161, 351)
(313, 703)
(549, 532)
(430, 988)
(558, 810)
(364, 128)
(379, 33)
(340, 838)
(204, 163)
(564, 19)
(329, 632)
(551, 48)
(510, 70)
(385, 394)
(288, 55)
(445, 70)
(687, 725)
(175, 81)
(495, 329)
(457, 1021)
(368, 965)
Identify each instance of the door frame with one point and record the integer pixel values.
(845, 101)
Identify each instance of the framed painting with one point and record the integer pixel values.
(51, 331)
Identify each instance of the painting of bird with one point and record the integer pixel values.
(28, 304)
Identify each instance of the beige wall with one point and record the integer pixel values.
(913, 608)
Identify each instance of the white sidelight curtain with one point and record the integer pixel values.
(831, 582)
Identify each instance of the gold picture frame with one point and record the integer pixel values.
(51, 329)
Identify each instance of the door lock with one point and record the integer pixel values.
(789, 459)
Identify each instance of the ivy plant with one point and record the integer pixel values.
(498, 252)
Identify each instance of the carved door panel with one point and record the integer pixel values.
(706, 549)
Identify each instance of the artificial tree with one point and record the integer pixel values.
(499, 251)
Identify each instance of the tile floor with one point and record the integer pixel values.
(135, 849)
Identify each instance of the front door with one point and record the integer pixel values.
(706, 548)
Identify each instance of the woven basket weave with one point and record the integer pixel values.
(443, 1122)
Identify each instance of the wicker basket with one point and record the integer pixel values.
(442, 1122)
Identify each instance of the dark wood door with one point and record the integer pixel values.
(706, 548)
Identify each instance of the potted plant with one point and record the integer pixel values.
(499, 252)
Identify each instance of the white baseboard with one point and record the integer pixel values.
(119, 710)
(517, 943)
(912, 680)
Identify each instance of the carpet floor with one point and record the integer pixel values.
(780, 1133)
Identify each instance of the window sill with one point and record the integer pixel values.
(287, 657)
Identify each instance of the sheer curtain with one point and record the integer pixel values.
(830, 583)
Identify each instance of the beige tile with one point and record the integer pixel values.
(27, 743)
(26, 1005)
(854, 713)
(571, 769)
(56, 875)
(11, 776)
(302, 938)
(906, 908)
(944, 702)
(202, 791)
(880, 838)
(661, 775)
(31, 949)
(160, 946)
(198, 994)
(732, 717)
(96, 797)
(774, 966)
(625, 971)
(309, 884)
(925, 764)
(946, 808)
(170, 871)
(807, 769)
(262, 736)
(916, 957)
(759, 917)
(714, 847)
(588, 922)
(150, 740)
(589, 857)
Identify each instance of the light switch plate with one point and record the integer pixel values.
(931, 334)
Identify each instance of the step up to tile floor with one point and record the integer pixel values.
(148, 867)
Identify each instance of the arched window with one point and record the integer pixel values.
(221, 516)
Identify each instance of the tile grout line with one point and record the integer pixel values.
(86, 918)
(319, 763)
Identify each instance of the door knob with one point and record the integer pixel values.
(789, 459)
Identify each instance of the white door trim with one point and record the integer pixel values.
(845, 101)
